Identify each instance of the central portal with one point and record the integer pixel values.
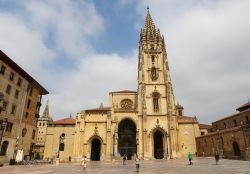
(127, 138)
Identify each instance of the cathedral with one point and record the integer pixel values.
(147, 122)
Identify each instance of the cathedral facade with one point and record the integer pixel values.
(147, 122)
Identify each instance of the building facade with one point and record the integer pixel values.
(230, 136)
(21, 104)
(146, 122)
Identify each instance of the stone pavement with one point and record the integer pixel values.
(178, 166)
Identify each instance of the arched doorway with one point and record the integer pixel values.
(158, 145)
(4, 148)
(127, 138)
(236, 149)
(95, 150)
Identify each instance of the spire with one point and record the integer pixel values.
(149, 24)
(46, 110)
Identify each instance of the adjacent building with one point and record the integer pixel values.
(147, 122)
(230, 136)
(22, 96)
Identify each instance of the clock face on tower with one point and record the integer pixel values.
(154, 74)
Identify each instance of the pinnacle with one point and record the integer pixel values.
(149, 24)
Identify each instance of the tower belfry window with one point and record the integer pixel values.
(156, 102)
(154, 74)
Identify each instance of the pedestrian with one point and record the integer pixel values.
(84, 163)
(124, 158)
(137, 163)
(203, 154)
(190, 157)
(217, 157)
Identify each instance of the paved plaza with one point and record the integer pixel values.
(178, 166)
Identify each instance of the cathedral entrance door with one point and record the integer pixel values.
(95, 150)
(158, 145)
(127, 138)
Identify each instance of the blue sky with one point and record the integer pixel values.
(81, 50)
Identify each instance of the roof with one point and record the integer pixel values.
(244, 107)
(124, 91)
(205, 126)
(23, 73)
(100, 109)
(65, 121)
(186, 119)
(221, 131)
(234, 115)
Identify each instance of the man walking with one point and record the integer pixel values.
(217, 157)
(190, 157)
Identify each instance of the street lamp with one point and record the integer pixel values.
(3, 126)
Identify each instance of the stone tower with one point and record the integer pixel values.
(42, 125)
(156, 102)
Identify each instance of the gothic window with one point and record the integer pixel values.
(126, 104)
(156, 101)
(154, 74)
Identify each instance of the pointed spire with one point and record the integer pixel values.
(149, 24)
(46, 111)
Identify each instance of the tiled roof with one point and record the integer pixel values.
(234, 115)
(186, 119)
(65, 121)
(243, 107)
(124, 91)
(205, 126)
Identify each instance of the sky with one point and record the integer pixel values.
(80, 50)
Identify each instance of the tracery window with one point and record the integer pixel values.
(154, 74)
(126, 104)
(156, 102)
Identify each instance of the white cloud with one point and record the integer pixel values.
(69, 26)
(207, 42)
(208, 50)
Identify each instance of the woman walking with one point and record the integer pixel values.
(84, 163)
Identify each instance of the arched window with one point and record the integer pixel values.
(154, 74)
(4, 148)
(40, 124)
(156, 106)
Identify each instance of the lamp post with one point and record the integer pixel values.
(3, 126)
